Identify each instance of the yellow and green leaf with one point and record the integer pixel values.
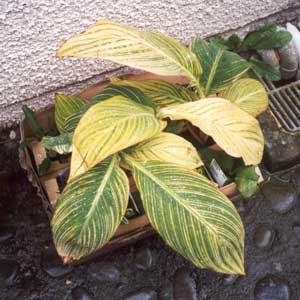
(90, 209)
(112, 90)
(108, 127)
(191, 215)
(65, 106)
(220, 67)
(249, 94)
(149, 51)
(234, 130)
(61, 144)
(167, 147)
(161, 92)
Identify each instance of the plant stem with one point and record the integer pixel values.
(199, 90)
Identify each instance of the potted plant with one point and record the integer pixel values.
(134, 128)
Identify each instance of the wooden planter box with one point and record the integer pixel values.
(47, 185)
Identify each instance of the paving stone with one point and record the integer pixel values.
(105, 272)
(184, 286)
(282, 196)
(52, 264)
(271, 288)
(263, 236)
(8, 272)
(143, 259)
(143, 294)
(79, 293)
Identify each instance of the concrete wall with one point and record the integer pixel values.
(32, 30)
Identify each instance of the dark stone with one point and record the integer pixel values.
(105, 272)
(52, 264)
(230, 279)
(6, 233)
(263, 236)
(282, 196)
(80, 293)
(144, 259)
(296, 229)
(271, 288)
(281, 148)
(8, 272)
(143, 294)
(184, 286)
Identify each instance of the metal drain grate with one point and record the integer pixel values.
(285, 104)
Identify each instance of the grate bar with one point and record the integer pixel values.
(285, 104)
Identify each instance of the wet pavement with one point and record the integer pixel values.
(148, 270)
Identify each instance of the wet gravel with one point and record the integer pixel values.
(148, 270)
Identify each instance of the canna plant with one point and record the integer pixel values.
(133, 128)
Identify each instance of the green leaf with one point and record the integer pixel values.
(167, 147)
(149, 51)
(191, 215)
(108, 127)
(66, 106)
(44, 167)
(220, 67)
(247, 181)
(249, 94)
(90, 209)
(267, 37)
(265, 70)
(234, 130)
(161, 92)
(33, 122)
(61, 144)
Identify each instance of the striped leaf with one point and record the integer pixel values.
(112, 90)
(220, 67)
(191, 215)
(65, 106)
(140, 49)
(161, 92)
(90, 209)
(108, 127)
(234, 130)
(168, 147)
(249, 94)
(61, 144)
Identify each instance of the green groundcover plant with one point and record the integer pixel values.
(132, 129)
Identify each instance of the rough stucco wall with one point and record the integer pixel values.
(31, 31)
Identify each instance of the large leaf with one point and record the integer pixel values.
(65, 106)
(249, 94)
(191, 215)
(268, 37)
(108, 127)
(140, 49)
(234, 130)
(61, 144)
(168, 147)
(246, 180)
(90, 209)
(161, 92)
(220, 67)
(112, 90)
